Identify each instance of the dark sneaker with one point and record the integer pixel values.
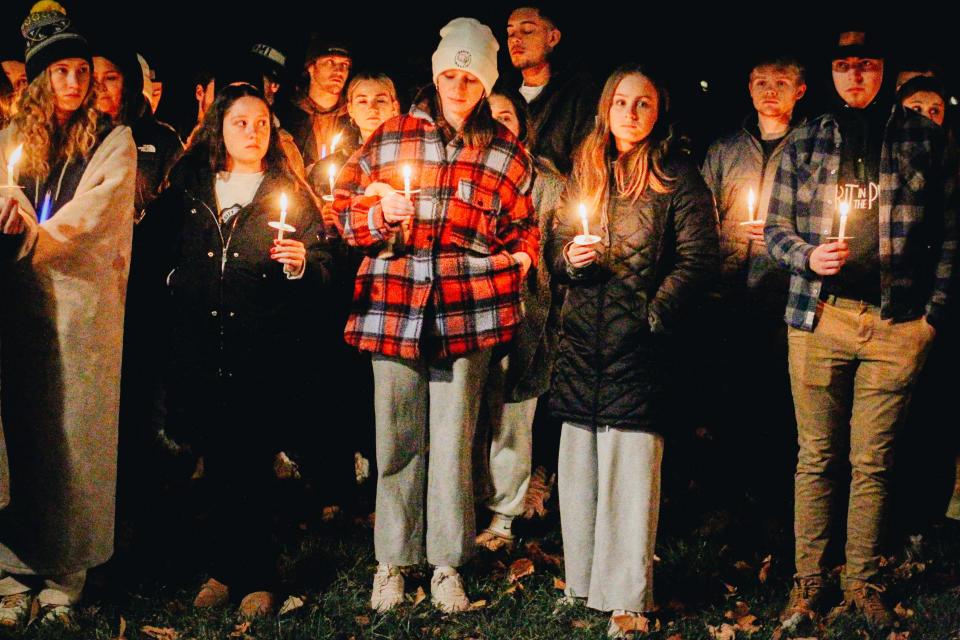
(808, 600)
(865, 598)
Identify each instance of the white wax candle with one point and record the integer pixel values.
(332, 175)
(334, 142)
(844, 211)
(751, 200)
(283, 215)
(406, 181)
(11, 165)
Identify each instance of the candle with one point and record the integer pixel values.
(406, 181)
(332, 176)
(751, 200)
(844, 211)
(12, 163)
(583, 219)
(323, 152)
(333, 143)
(283, 216)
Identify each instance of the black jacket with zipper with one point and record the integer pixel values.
(659, 256)
(238, 326)
(562, 115)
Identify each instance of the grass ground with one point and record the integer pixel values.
(715, 575)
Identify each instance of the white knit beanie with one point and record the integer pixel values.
(467, 44)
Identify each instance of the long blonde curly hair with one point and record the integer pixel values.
(38, 128)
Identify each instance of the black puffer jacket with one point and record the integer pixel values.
(239, 328)
(659, 255)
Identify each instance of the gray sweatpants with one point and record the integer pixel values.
(609, 486)
(416, 403)
(504, 446)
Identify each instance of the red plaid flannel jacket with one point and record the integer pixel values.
(455, 278)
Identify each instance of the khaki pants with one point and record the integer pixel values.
(417, 404)
(851, 378)
(609, 489)
(503, 448)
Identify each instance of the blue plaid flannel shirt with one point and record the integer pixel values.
(918, 233)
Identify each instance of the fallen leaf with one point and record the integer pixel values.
(675, 636)
(419, 596)
(537, 554)
(284, 468)
(361, 467)
(559, 584)
(629, 623)
(330, 513)
(765, 569)
(538, 493)
(478, 604)
(240, 630)
(902, 612)
(740, 565)
(123, 629)
(291, 604)
(580, 624)
(158, 633)
(740, 609)
(723, 632)
(899, 635)
(362, 621)
(731, 590)
(198, 470)
(747, 624)
(521, 568)
(512, 589)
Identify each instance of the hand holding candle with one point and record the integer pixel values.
(11, 222)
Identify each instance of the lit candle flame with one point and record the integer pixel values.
(844, 211)
(751, 200)
(583, 219)
(333, 143)
(12, 163)
(406, 180)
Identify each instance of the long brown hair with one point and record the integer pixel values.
(479, 128)
(44, 141)
(206, 146)
(634, 171)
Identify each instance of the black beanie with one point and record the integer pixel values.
(50, 37)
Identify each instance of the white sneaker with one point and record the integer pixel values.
(56, 614)
(446, 587)
(387, 588)
(15, 609)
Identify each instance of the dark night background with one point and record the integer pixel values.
(688, 42)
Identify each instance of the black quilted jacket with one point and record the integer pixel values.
(660, 254)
